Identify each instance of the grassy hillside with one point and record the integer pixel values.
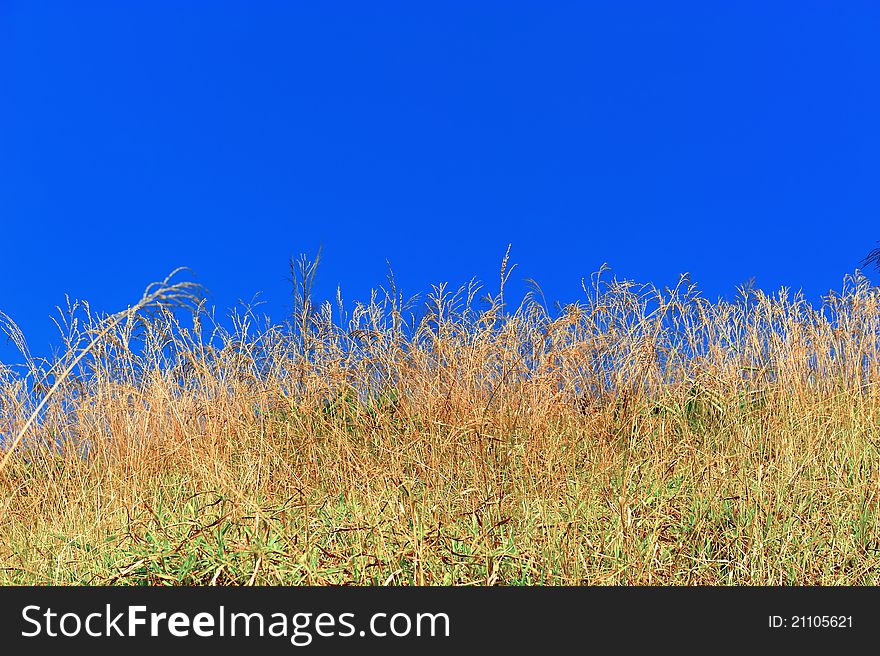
(643, 436)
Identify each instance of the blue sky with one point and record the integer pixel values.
(728, 140)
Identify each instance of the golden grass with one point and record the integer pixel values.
(643, 436)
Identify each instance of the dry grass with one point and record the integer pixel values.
(643, 436)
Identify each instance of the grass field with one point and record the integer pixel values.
(642, 436)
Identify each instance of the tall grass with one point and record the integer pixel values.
(641, 436)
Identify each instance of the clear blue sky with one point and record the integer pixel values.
(729, 140)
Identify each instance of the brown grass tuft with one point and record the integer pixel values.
(643, 436)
